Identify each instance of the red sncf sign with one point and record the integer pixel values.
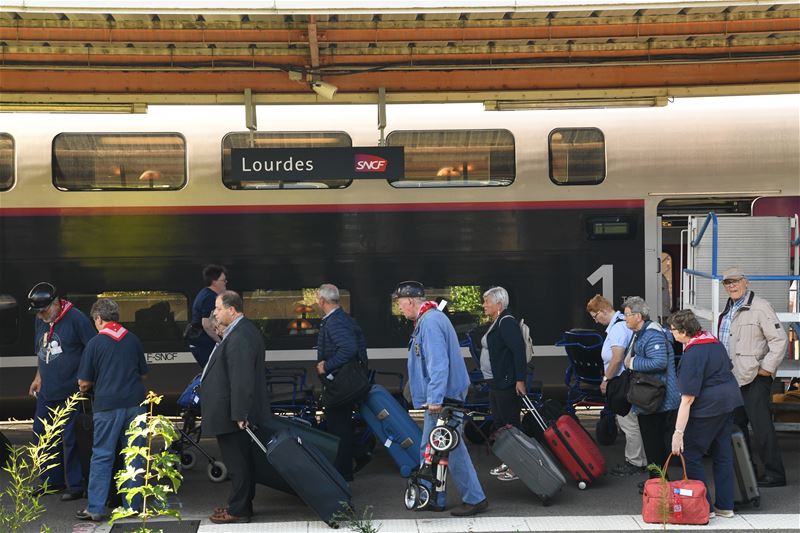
(370, 163)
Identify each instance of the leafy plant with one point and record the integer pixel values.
(149, 476)
(663, 494)
(348, 518)
(20, 500)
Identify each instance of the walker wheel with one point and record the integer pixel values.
(217, 471)
(443, 439)
(411, 496)
(188, 459)
(424, 497)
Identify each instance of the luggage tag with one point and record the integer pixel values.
(388, 443)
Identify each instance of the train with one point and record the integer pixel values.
(553, 205)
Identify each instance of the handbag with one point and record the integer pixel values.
(675, 502)
(350, 384)
(646, 392)
(617, 393)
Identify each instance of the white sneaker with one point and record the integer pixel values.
(711, 515)
(502, 469)
(508, 475)
(722, 513)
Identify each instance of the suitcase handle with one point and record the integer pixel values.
(255, 439)
(532, 410)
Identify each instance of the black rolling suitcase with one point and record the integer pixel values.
(309, 473)
(745, 486)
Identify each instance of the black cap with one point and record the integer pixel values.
(41, 296)
(409, 289)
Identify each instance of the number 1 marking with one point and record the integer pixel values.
(606, 274)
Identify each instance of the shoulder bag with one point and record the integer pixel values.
(350, 384)
(617, 393)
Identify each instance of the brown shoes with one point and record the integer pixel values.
(222, 516)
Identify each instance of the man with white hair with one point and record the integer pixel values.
(340, 341)
(756, 343)
(437, 373)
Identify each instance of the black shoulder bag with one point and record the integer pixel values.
(647, 392)
(617, 388)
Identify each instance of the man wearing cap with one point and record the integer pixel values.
(437, 373)
(61, 332)
(756, 343)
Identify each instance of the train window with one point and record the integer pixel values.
(9, 319)
(282, 139)
(119, 161)
(6, 161)
(455, 158)
(151, 315)
(464, 307)
(287, 313)
(577, 156)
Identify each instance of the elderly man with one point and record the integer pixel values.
(756, 344)
(113, 366)
(618, 337)
(436, 372)
(340, 341)
(61, 333)
(235, 396)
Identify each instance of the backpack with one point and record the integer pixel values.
(526, 336)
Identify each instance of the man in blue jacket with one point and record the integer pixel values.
(340, 341)
(436, 372)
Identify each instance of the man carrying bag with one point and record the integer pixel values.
(342, 367)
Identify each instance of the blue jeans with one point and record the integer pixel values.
(714, 434)
(67, 453)
(459, 466)
(109, 433)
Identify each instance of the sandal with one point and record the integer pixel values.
(226, 518)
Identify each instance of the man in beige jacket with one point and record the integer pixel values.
(756, 343)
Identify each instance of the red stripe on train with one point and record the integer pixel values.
(318, 208)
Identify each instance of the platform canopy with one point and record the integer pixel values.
(148, 52)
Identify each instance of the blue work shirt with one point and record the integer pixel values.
(59, 355)
(436, 368)
(202, 307)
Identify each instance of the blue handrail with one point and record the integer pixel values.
(711, 217)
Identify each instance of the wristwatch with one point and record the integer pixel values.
(605, 379)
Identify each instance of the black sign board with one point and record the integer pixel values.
(315, 164)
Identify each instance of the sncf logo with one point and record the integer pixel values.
(370, 163)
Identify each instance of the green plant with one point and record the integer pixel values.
(348, 518)
(663, 494)
(20, 500)
(145, 468)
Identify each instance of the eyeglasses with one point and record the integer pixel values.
(729, 282)
(594, 314)
(631, 314)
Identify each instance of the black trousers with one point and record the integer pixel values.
(656, 430)
(340, 423)
(505, 406)
(757, 395)
(238, 458)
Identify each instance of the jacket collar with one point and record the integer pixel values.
(746, 305)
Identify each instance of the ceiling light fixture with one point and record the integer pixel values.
(575, 103)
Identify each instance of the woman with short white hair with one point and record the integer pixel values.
(503, 348)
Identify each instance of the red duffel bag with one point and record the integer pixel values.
(675, 502)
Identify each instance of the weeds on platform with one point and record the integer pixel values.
(663, 501)
(348, 518)
(149, 476)
(20, 500)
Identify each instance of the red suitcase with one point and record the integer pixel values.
(576, 450)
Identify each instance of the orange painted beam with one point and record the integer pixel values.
(541, 78)
(379, 34)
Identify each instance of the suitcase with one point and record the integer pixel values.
(530, 461)
(745, 486)
(393, 427)
(265, 473)
(309, 473)
(574, 448)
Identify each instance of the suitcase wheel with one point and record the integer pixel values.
(443, 439)
(757, 501)
(188, 459)
(546, 501)
(582, 485)
(217, 471)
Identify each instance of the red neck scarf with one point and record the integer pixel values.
(424, 308)
(65, 306)
(115, 330)
(701, 337)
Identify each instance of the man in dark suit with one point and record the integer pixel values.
(340, 341)
(234, 395)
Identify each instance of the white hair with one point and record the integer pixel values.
(329, 293)
(497, 295)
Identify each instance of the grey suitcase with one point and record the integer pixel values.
(745, 486)
(530, 461)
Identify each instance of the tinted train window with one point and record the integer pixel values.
(577, 156)
(119, 161)
(151, 315)
(456, 158)
(287, 313)
(9, 319)
(286, 139)
(464, 307)
(6, 161)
